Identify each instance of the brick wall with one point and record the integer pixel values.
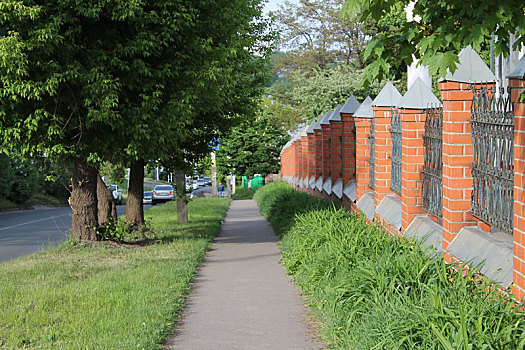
(298, 158)
(383, 153)
(362, 127)
(304, 151)
(318, 136)
(311, 157)
(336, 128)
(327, 151)
(348, 148)
(518, 86)
(413, 157)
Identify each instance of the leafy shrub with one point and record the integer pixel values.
(114, 231)
(280, 203)
(244, 193)
(372, 291)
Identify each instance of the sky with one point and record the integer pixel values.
(273, 5)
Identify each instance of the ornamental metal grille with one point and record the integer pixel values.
(433, 165)
(492, 121)
(371, 143)
(395, 132)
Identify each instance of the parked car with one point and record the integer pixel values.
(117, 193)
(201, 182)
(207, 180)
(195, 185)
(147, 199)
(161, 194)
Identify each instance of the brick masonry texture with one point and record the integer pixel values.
(341, 150)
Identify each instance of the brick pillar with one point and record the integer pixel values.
(518, 86)
(383, 153)
(304, 152)
(413, 158)
(336, 134)
(362, 127)
(349, 147)
(318, 134)
(298, 158)
(457, 160)
(311, 157)
(327, 154)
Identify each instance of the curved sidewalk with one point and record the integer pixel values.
(242, 298)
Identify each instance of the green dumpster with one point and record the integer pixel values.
(257, 181)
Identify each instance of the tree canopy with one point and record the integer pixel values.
(254, 146)
(125, 81)
(440, 30)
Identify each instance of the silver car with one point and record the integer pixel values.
(161, 194)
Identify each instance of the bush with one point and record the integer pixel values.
(243, 193)
(372, 291)
(280, 203)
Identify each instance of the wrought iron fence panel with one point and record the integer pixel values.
(395, 131)
(433, 165)
(492, 125)
(371, 144)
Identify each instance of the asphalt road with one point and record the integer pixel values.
(28, 231)
(25, 232)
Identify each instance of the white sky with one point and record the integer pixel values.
(273, 5)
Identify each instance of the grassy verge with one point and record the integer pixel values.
(107, 296)
(370, 291)
(243, 193)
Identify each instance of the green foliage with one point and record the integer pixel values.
(444, 28)
(20, 179)
(243, 193)
(108, 296)
(271, 200)
(371, 291)
(115, 172)
(253, 147)
(113, 231)
(107, 80)
(316, 94)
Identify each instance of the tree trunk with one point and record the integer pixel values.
(107, 207)
(134, 208)
(182, 207)
(83, 201)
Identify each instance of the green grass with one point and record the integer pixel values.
(243, 193)
(371, 291)
(107, 296)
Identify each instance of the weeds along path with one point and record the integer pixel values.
(242, 298)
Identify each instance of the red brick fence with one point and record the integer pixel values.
(450, 172)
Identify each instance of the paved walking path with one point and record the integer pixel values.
(242, 298)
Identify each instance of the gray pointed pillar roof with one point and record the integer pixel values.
(310, 128)
(303, 131)
(326, 117)
(351, 105)
(336, 115)
(471, 68)
(519, 71)
(419, 96)
(365, 109)
(318, 122)
(389, 96)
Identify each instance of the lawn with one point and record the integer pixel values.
(108, 296)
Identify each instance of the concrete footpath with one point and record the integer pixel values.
(242, 298)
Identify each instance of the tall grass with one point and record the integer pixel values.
(107, 296)
(243, 193)
(370, 291)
